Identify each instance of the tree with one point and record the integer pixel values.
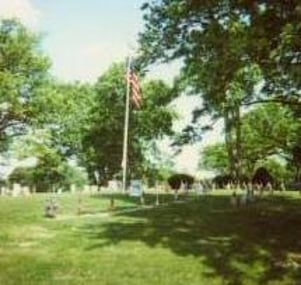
(258, 32)
(227, 47)
(65, 111)
(279, 169)
(53, 169)
(266, 131)
(157, 164)
(23, 73)
(103, 141)
(295, 159)
(214, 157)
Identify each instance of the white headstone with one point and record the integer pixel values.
(16, 190)
(25, 191)
(94, 189)
(86, 189)
(198, 188)
(73, 188)
(3, 190)
(136, 189)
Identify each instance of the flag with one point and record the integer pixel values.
(135, 87)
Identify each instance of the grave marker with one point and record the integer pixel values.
(136, 190)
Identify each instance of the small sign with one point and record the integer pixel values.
(136, 188)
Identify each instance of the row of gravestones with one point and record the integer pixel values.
(203, 187)
(19, 190)
(113, 185)
(15, 190)
(249, 194)
(86, 189)
(255, 186)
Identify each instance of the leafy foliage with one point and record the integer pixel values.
(175, 181)
(23, 73)
(227, 48)
(266, 131)
(103, 141)
(214, 157)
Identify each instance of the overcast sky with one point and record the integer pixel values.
(84, 37)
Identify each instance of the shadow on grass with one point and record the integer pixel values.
(127, 200)
(121, 202)
(260, 243)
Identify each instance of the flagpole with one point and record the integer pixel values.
(126, 127)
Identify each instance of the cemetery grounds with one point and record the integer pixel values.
(196, 240)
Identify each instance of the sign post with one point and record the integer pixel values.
(157, 195)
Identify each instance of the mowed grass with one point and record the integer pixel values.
(200, 241)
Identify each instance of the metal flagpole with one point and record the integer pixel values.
(126, 127)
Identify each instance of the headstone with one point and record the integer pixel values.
(94, 189)
(97, 176)
(51, 208)
(182, 186)
(282, 186)
(16, 190)
(198, 188)
(269, 188)
(113, 186)
(3, 190)
(166, 187)
(86, 189)
(25, 191)
(243, 186)
(73, 188)
(260, 189)
(213, 186)
(136, 189)
(33, 189)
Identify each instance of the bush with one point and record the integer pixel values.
(262, 176)
(175, 180)
(222, 180)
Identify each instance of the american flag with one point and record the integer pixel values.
(135, 87)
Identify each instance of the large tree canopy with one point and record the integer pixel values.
(103, 141)
(23, 73)
(267, 131)
(227, 48)
(239, 32)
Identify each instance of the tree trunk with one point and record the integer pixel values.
(229, 141)
(297, 173)
(232, 121)
(237, 158)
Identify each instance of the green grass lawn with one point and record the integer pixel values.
(202, 241)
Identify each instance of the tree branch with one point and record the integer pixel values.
(276, 100)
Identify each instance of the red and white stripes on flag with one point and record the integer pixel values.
(135, 88)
